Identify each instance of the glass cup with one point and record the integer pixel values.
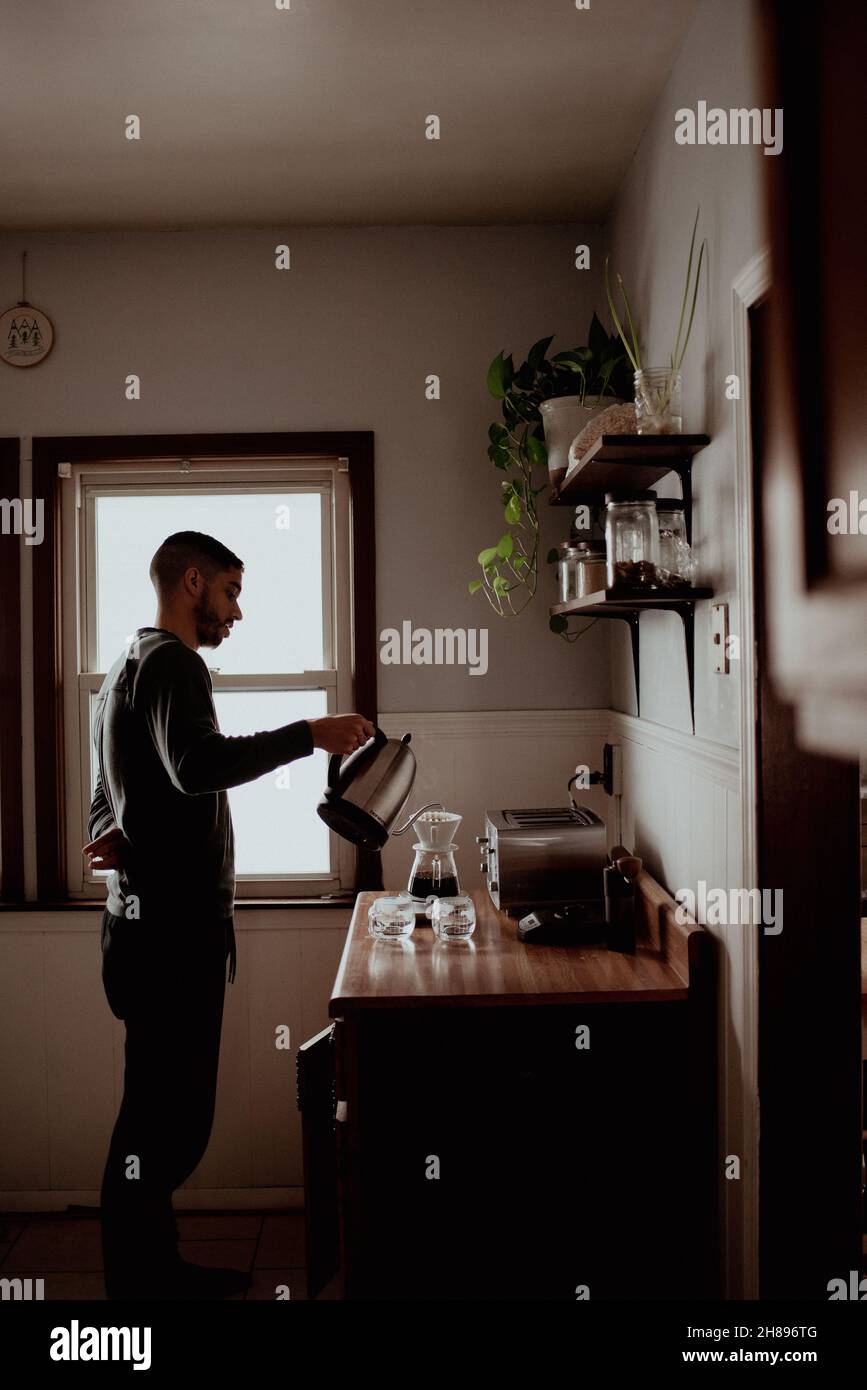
(391, 918)
(452, 919)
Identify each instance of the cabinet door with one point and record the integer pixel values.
(498, 1160)
(316, 1101)
(815, 456)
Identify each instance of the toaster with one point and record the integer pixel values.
(541, 856)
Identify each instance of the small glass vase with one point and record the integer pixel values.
(658, 408)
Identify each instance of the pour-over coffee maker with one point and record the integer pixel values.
(434, 872)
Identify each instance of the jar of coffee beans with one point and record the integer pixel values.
(631, 541)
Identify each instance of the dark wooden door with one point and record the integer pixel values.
(814, 463)
(809, 974)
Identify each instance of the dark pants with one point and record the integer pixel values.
(166, 979)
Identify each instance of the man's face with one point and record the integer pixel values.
(217, 608)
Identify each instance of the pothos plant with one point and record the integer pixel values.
(510, 569)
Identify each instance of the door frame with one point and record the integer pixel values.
(749, 287)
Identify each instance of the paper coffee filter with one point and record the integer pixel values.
(437, 829)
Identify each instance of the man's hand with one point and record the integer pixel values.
(107, 851)
(341, 733)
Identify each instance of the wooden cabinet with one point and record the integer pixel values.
(525, 1121)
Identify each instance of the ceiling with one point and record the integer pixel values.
(254, 116)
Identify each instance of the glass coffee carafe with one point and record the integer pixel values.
(434, 872)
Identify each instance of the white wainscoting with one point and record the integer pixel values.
(62, 1074)
(681, 803)
(491, 760)
(681, 812)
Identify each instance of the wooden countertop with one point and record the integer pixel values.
(493, 967)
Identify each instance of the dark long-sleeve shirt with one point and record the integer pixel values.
(164, 768)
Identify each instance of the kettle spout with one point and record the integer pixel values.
(431, 806)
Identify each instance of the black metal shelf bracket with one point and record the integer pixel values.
(633, 619)
(683, 469)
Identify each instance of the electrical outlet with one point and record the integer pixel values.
(719, 631)
(616, 769)
(611, 776)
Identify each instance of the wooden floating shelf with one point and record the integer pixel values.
(606, 603)
(629, 607)
(627, 460)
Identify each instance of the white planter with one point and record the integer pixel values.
(562, 418)
(618, 417)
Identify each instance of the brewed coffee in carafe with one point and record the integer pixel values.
(434, 872)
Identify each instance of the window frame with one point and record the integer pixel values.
(57, 717)
(11, 761)
(87, 483)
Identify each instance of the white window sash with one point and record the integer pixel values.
(78, 498)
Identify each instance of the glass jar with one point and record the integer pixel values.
(658, 408)
(631, 541)
(567, 570)
(590, 568)
(676, 560)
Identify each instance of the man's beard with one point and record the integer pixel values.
(209, 629)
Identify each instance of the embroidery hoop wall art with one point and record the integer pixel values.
(26, 333)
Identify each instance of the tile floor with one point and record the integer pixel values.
(64, 1250)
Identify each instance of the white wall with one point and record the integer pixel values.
(682, 801)
(223, 341)
(648, 238)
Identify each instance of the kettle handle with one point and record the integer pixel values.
(377, 740)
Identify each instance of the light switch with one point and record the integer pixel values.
(719, 631)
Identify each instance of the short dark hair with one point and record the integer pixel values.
(186, 549)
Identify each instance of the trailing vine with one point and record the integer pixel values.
(510, 568)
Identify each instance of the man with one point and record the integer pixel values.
(160, 821)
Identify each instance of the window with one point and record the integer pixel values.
(289, 658)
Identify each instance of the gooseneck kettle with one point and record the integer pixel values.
(367, 790)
